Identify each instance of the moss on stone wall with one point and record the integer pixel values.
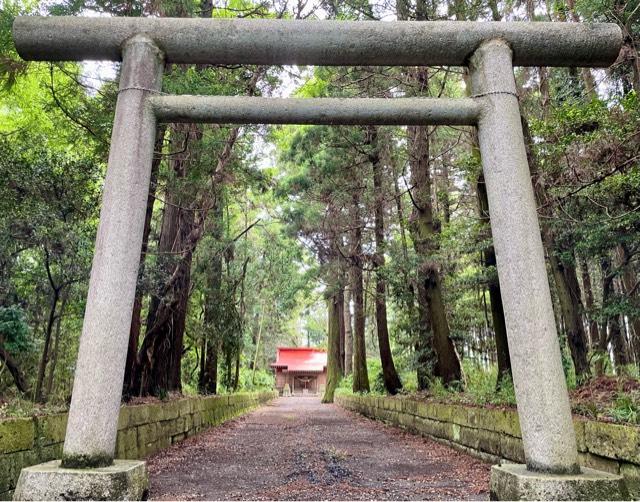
(493, 434)
(16, 435)
(142, 430)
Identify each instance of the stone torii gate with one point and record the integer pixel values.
(488, 49)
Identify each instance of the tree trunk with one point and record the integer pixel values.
(236, 376)
(163, 344)
(161, 352)
(568, 293)
(360, 375)
(424, 230)
(56, 344)
(391, 379)
(587, 76)
(424, 352)
(129, 386)
(209, 372)
(333, 357)
(390, 375)
(14, 369)
(618, 342)
(342, 330)
(495, 295)
(631, 290)
(587, 289)
(448, 366)
(254, 365)
(208, 381)
(348, 333)
(228, 357)
(202, 360)
(603, 339)
(44, 360)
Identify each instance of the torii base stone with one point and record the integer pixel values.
(515, 482)
(122, 480)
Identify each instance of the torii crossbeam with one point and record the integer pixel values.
(488, 49)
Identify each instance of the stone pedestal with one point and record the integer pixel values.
(123, 480)
(515, 482)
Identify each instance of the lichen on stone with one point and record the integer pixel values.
(86, 461)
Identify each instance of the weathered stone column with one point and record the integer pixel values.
(551, 471)
(541, 391)
(97, 390)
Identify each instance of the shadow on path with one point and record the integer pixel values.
(298, 449)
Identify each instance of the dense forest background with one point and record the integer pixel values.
(373, 242)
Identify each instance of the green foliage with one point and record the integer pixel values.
(438, 389)
(262, 379)
(481, 388)
(376, 382)
(11, 66)
(346, 384)
(14, 330)
(377, 387)
(626, 408)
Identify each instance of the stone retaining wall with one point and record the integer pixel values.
(142, 430)
(494, 434)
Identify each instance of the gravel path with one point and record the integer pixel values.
(299, 449)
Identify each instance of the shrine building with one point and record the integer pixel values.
(303, 369)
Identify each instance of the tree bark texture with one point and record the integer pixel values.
(424, 230)
(631, 290)
(390, 375)
(333, 357)
(342, 331)
(129, 386)
(616, 336)
(56, 345)
(160, 355)
(14, 369)
(360, 374)
(40, 396)
(568, 292)
(587, 289)
(348, 333)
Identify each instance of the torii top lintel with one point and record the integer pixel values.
(330, 43)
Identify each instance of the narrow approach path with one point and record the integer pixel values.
(299, 449)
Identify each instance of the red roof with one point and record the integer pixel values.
(301, 359)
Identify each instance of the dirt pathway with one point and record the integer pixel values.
(299, 449)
